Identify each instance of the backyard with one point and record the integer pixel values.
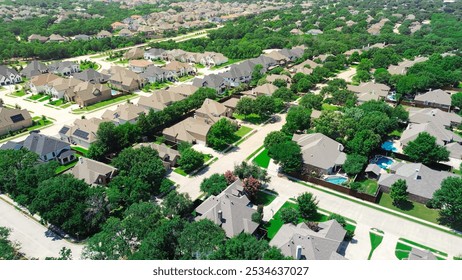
(415, 209)
(368, 186)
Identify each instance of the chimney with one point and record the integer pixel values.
(416, 174)
(81, 160)
(220, 215)
(340, 147)
(299, 252)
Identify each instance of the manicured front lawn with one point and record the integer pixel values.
(243, 130)
(45, 98)
(254, 153)
(369, 186)
(329, 107)
(57, 102)
(417, 210)
(185, 78)
(230, 61)
(39, 124)
(36, 96)
(104, 103)
(155, 86)
(180, 171)
(375, 239)
(252, 118)
(19, 93)
(262, 159)
(264, 198)
(276, 223)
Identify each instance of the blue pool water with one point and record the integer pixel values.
(388, 146)
(384, 162)
(336, 180)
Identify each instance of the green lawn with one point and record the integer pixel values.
(185, 78)
(329, 107)
(104, 103)
(402, 251)
(276, 223)
(66, 167)
(81, 150)
(375, 239)
(45, 98)
(57, 102)
(180, 171)
(252, 118)
(207, 157)
(36, 96)
(155, 86)
(243, 130)
(369, 186)
(264, 198)
(416, 209)
(262, 159)
(395, 133)
(39, 124)
(199, 66)
(424, 247)
(19, 93)
(230, 61)
(254, 153)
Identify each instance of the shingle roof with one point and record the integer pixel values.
(91, 75)
(433, 115)
(160, 99)
(34, 68)
(89, 170)
(43, 145)
(188, 129)
(437, 96)
(440, 132)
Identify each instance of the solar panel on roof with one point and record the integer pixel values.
(81, 134)
(64, 130)
(17, 118)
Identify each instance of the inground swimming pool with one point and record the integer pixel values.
(384, 162)
(338, 180)
(389, 146)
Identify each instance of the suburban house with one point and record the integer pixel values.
(38, 84)
(302, 243)
(13, 120)
(124, 113)
(265, 89)
(212, 59)
(155, 74)
(34, 68)
(135, 53)
(230, 210)
(421, 181)
(124, 79)
(36, 37)
(93, 172)
(279, 57)
(401, 68)
(56, 38)
(238, 73)
(184, 89)
(231, 103)
(436, 99)
(64, 68)
(125, 33)
(441, 118)
(139, 65)
(82, 37)
(81, 133)
(190, 130)
(92, 76)
(9, 76)
(442, 135)
(159, 100)
(373, 171)
(168, 155)
(154, 54)
(370, 91)
(273, 77)
(180, 68)
(314, 32)
(175, 54)
(305, 67)
(212, 111)
(60, 87)
(217, 82)
(46, 147)
(103, 34)
(321, 155)
(86, 93)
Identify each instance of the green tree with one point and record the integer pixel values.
(424, 149)
(354, 164)
(304, 85)
(245, 106)
(288, 155)
(256, 75)
(177, 204)
(214, 185)
(280, 83)
(200, 239)
(456, 100)
(398, 192)
(298, 119)
(243, 247)
(339, 218)
(311, 101)
(381, 75)
(307, 205)
(246, 170)
(284, 93)
(265, 105)
(449, 199)
(274, 137)
(221, 134)
(8, 249)
(289, 215)
(61, 201)
(190, 160)
(364, 142)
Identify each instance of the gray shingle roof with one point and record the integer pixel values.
(43, 145)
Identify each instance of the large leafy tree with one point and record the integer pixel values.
(200, 239)
(449, 199)
(190, 160)
(246, 170)
(221, 134)
(288, 155)
(8, 250)
(274, 137)
(364, 142)
(424, 149)
(245, 106)
(298, 119)
(456, 100)
(214, 185)
(354, 164)
(398, 192)
(311, 101)
(307, 205)
(246, 247)
(177, 204)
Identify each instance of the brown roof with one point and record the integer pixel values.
(43, 79)
(160, 99)
(140, 63)
(185, 130)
